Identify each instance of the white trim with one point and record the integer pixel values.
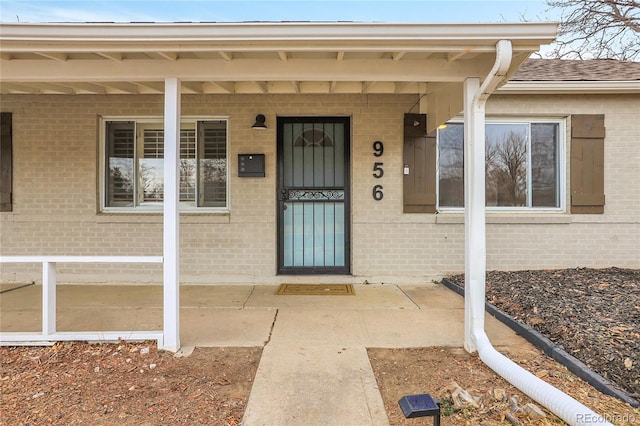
(284, 36)
(171, 216)
(12, 338)
(561, 164)
(49, 302)
(558, 87)
(109, 72)
(206, 52)
(81, 259)
(157, 207)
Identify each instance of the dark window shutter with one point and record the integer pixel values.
(420, 162)
(587, 164)
(6, 162)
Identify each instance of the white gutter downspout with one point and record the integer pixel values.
(475, 99)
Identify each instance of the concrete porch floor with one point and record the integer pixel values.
(314, 361)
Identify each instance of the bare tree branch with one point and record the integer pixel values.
(597, 29)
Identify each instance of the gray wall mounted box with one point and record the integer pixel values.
(251, 165)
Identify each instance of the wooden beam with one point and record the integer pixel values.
(226, 86)
(114, 56)
(19, 88)
(367, 85)
(53, 88)
(283, 56)
(120, 87)
(340, 56)
(296, 86)
(56, 56)
(192, 87)
(82, 87)
(262, 86)
(149, 87)
(454, 56)
(397, 55)
(171, 56)
(433, 70)
(227, 56)
(404, 85)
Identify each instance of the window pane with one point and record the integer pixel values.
(151, 166)
(120, 174)
(506, 164)
(544, 165)
(451, 165)
(212, 140)
(188, 164)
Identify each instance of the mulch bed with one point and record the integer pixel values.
(593, 314)
(125, 383)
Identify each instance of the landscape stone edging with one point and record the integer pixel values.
(551, 349)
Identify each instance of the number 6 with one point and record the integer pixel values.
(377, 193)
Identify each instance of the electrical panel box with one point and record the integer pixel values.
(250, 165)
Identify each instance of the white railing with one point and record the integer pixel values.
(49, 333)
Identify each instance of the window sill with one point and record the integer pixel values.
(156, 217)
(506, 218)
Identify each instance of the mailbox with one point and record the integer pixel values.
(250, 165)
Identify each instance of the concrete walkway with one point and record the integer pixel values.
(314, 368)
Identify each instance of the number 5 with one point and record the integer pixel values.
(377, 170)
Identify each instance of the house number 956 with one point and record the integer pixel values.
(378, 171)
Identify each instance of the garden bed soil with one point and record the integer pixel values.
(125, 383)
(593, 314)
(434, 370)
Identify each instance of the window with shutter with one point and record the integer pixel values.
(523, 165)
(120, 164)
(419, 185)
(213, 163)
(6, 162)
(188, 165)
(587, 164)
(135, 164)
(151, 166)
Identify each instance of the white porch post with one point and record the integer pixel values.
(171, 234)
(49, 298)
(474, 212)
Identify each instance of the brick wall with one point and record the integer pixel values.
(56, 195)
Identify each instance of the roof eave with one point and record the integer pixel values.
(312, 34)
(565, 87)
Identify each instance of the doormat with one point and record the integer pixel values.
(316, 290)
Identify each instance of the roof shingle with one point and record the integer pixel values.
(577, 70)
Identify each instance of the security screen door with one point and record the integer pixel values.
(313, 195)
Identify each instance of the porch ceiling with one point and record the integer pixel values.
(255, 58)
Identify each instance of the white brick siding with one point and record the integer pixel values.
(56, 194)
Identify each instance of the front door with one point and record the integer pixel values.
(313, 195)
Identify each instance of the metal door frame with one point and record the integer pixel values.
(302, 270)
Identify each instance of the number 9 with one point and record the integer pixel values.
(378, 148)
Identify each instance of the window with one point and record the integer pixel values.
(6, 162)
(523, 161)
(134, 164)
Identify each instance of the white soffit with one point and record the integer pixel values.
(305, 57)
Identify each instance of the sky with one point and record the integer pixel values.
(423, 11)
